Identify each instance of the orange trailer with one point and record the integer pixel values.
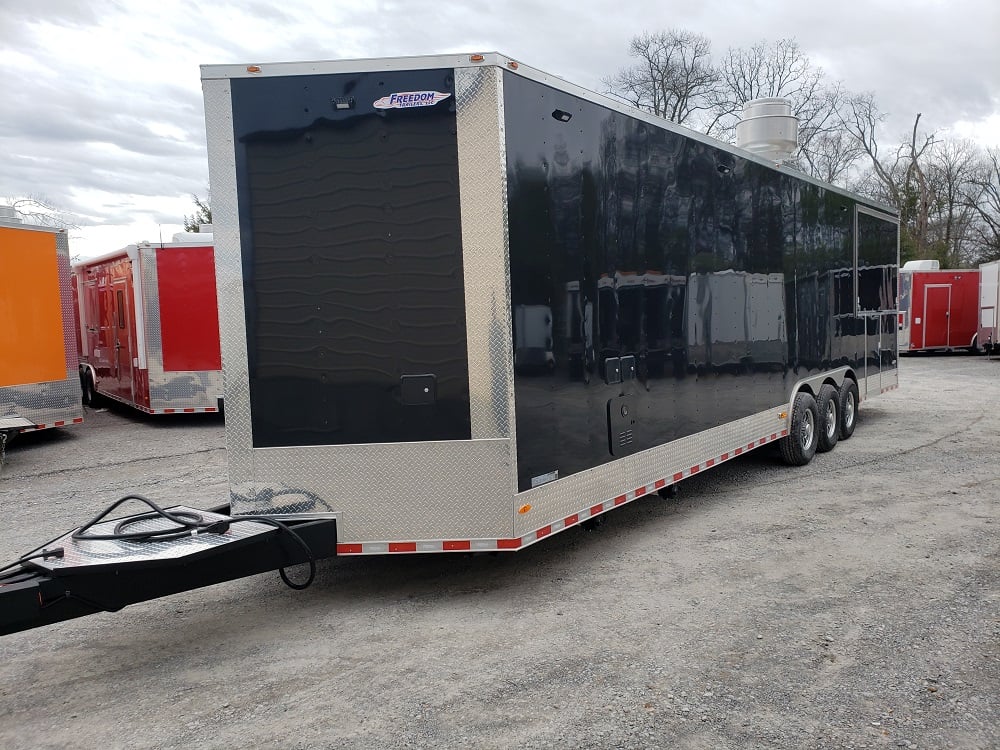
(39, 370)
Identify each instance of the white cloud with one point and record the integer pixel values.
(102, 100)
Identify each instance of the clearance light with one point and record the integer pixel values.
(253, 69)
(476, 58)
(524, 509)
(512, 65)
(783, 415)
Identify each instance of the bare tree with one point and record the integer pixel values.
(985, 202)
(897, 176)
(780, 69)
(831, 156)
(673, 77)
(33, 209)
(952, 168)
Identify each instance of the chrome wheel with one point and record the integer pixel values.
(806, 430)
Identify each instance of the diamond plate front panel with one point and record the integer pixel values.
(483, 181)
(387, 491)
(169, 390)
(57, 400)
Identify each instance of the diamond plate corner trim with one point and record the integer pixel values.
(66, 308)
(229, 277)
(677, 459)
(482, 176)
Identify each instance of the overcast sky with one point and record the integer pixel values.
(101, 107)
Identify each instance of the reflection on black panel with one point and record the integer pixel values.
(352, 261)
(724, 281)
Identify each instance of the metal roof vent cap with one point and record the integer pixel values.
(768, 128)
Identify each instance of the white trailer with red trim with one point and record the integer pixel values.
(149, 326)
(989, 306)
(39, 388)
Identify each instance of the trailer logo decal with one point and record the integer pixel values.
(406, 99)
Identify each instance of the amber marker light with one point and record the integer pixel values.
(476, 58)
(253, 69)
(524, 509)
(783, 415)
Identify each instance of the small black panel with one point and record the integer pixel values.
(418, 390)
(628, 368)
(621, 426)
(612, 370)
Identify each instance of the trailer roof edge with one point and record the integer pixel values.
(512, 65)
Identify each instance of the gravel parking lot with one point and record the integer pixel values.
(852, 603)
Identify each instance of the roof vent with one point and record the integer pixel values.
(768, 128)
(922, 265)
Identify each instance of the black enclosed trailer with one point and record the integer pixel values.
(465, 305)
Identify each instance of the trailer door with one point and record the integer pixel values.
(937, 316)
(122, 338)
(877, 266)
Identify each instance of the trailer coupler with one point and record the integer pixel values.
(106, 565)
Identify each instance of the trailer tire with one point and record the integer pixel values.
(90, 397)
(828, 410)
(799, 447)
(848, 408)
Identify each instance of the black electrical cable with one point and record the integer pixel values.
(186, 524)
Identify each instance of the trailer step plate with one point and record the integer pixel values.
(86, 554)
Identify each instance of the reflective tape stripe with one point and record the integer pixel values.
(574, 519)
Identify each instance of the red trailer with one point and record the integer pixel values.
(149, 326)
(938, 308)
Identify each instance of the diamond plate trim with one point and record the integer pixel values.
(229, 277)
(482, 176)
(551, 503)
(55, 403)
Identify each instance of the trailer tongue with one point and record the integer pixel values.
(106, 565)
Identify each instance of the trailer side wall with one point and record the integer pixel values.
(603, 207)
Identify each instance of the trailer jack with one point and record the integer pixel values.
(106, 565)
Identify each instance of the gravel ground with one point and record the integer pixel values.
(852, 603)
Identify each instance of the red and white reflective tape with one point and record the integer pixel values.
(886, 390)
(502, 545)
(58, 423)
(188, 410)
